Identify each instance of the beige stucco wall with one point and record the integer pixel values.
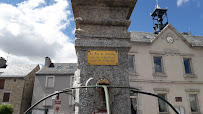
(150, 104)
(175, 83)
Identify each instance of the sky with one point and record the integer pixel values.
(31, 30)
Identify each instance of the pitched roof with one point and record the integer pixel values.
(59, 68)
(194, 40)
(20, 70)
(142, 37)
(146, 37)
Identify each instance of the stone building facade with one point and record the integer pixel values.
(16, 86)
(53, 77)
(168, 64)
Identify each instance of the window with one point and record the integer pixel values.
(187, 66)
(48, 101)
(59, 67)
(71, 98)
(180, 110)
(2, 81)
(6, 97)
(193, 102)
(158, 65)
(131, 63)
(136, 103)
(71, 67)
(162, 104)
(133, 100)
(38, 111)
(71, 81)
(50, 81)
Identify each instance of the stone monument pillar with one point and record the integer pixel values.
(102, 45)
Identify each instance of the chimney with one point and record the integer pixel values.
(2, 62)
(47, 62)
(185, 33)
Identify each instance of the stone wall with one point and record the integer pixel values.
(15, 87)
(28, 89)
(20, 90)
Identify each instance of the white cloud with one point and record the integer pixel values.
(32, 30)
(73, 31)
(181, 2)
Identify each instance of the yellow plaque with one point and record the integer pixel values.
(103, 57)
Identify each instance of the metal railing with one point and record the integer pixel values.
(105, 87)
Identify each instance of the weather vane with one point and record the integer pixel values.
(157, 6)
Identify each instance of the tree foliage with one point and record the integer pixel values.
(6, 109)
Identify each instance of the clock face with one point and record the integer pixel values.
(169, 39)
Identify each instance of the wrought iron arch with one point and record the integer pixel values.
(105, 87)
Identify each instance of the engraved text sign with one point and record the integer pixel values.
(102, 57)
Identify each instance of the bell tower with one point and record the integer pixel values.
(160, 19)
